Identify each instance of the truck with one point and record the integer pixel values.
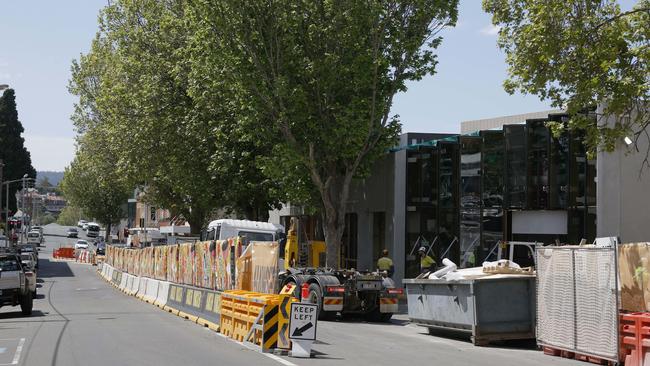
(92, 230)
(347, 291)
(14, 283)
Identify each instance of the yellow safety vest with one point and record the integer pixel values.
(384, 263)
(426, 262)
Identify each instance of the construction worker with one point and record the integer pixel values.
(427, 263)
(386, 264)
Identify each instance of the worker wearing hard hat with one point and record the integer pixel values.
(427, 263)
(385, 263)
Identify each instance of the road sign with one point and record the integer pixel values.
(302, 324)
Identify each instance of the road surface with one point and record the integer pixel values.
(79, 319)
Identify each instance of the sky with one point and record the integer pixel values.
(39, 40)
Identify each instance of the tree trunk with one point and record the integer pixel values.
(107, 234)
(196, 219)
(335, 197)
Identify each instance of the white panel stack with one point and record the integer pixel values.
(576, 300)
(555, 298)
(596, 306)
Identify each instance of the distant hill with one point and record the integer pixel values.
(53, 177)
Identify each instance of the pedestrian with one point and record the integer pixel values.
(385, 263)
(427, 263)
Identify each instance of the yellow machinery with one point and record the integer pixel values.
(316, 252)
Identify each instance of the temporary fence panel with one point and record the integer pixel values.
(577, 300)
(634, 275)
(265, 267)
(245, 269)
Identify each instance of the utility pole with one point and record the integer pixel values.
(22, 207)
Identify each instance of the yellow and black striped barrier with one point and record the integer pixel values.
(255, 317)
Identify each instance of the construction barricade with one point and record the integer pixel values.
(64, 253)
(261, 319)
(163, 292)
(151, 291)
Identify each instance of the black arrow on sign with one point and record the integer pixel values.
(298, 331)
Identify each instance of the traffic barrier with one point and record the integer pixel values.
(634, 339)
(102, 270)
(65, 252)
(254, 317)
(163, 292)
(133, 289)
(151, 291)
(174, 298)
(122, 283)
(142, 288)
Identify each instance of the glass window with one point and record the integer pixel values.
(537, 165)
(493, 168)
(515, 141)
(559, 171)
(470, 199)
(249, 236)
(9, 264)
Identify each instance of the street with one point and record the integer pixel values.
(79, 319)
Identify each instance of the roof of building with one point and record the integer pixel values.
(498, 122)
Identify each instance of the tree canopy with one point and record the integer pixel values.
(16, 159)
(579, 54)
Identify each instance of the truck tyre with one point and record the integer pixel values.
(379, 317)
(316, 297)
(26, 303)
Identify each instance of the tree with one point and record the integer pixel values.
(321, 75)
(15, 156)
(44, 185)
(89, 183)
(578, 54)
(70, 215)
(134, 86)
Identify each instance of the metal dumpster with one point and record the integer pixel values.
(492, 308)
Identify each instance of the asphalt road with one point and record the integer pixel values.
(81, 320)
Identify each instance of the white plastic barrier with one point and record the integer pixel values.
(109, 273)
(133, 290)
(163, 292)
(151, 291)
(122, 284)
(102, 271)
(142, 287)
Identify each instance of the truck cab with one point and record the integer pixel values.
(248, 230)
(92, 230)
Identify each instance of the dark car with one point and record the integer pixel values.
(72, 232)
(101, 249)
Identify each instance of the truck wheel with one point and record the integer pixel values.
(26, 303)
(378, 317)
(316, 297)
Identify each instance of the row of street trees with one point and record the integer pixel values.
(241, 105)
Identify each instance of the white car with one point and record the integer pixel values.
(81, 244)
(81, 223)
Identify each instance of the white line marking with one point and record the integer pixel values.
(19, 350)
(269, 355)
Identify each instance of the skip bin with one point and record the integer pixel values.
(492, 308)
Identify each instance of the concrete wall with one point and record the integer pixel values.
(623, 193)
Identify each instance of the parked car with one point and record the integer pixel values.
(72, 232)
(37, 228)
(15, 284)
(29, 248)
(30, 263)
(81, 244)
(81, 223)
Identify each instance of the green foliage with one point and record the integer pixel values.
(319, 78)
(70, 215)
(47, 219)
(17, 160)
(579, 54)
